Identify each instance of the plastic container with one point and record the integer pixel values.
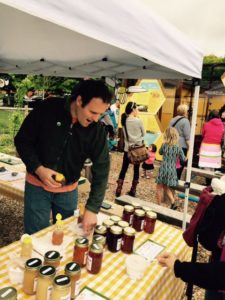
(136, 266)
(31, 272)
(58, 234)
(52, 258)
(115, 239)
(150, 220)
(26, 247)
(138, 220)
(128, 240)
(128, 213)
(61, 288)
(73, 270)
(8, 293)
(80, 251)
(94, 259)
(45, 282)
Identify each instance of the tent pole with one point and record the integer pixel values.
(191, 148)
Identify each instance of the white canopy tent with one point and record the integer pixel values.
(119, 39)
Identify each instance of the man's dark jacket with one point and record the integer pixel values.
(47, 137)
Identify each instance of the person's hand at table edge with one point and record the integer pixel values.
(89, 221)
(167, 260)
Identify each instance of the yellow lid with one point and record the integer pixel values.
(59, 221)
(27, 240)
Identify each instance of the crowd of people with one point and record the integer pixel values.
(58, 136)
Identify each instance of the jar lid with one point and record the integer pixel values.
(96, 248)
(129, 231)
(82, 242)
(135, 205)
(8, 293)
(52, 255)
(100, 229)
(146, 208)
(115, 219)
(108, 223)
(47, 271)
(123, 224)
(151, 214)
(139, 212)
(129, 208)
(116, 229)
(61, 282)
(72, 268)
(99, 239)
(33, 264)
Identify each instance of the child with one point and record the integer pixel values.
(148, 165)
(167, 177)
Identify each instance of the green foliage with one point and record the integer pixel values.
(15, 120)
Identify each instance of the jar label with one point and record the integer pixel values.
(49, 293)
(67, 297)
(89, 263)
(77, 287)
(85, 257)
(131, 219)
(35, 284)
(118, 246)
(142, 224)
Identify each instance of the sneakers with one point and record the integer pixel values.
(173, 206)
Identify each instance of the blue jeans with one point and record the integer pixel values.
(38, 204)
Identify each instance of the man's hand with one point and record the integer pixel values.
(167, 260)
(45, 176)
(89, 221)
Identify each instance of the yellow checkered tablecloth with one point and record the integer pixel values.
(157, 284)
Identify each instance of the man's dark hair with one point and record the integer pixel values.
(89, 89)
(214, 114)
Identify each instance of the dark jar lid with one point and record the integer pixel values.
(33, 264)
(61, 282)
(139, 213)
(8, 293)
(82, 242)
(72, 269)
(52, 255)
(100, 229)
(116, 229)
(96, 248)
(47, 271)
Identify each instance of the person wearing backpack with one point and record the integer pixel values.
(210, 276)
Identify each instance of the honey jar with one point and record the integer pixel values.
(94, 259)
(138, 220)
(100, 229)
(128, 240)
(61, 288)
(149, 224)
(115, 238)
(31, 272)
(123, 224)
(108, 223)
(45, 282)
(8, 293)
(146, 208)
(99, 239)
(73, 270)
(80, 251)
(115, 219)
(128, 213)
(52, 258)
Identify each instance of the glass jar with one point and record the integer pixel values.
(99, 239)
(123, 224)
(128, 213)
(136, 205)
(73, 270)
(150, 219)
(108, 223)
(31, 272)
(128, 240)
(94, 259)
(8, 293)
(26, 247)
(138, 220)
(61, 288)
(52, 258)
(80, 251)
(115, 219)
(45, 282)
(100, 229)
(146, 208)
(115, 239)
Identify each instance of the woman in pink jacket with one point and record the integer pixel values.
(212, 134)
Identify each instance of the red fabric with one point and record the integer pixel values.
(206, 198)
(151, 158)
(212, 131)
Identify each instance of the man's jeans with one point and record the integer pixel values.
(38, 204)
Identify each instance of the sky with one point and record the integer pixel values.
(203, 21)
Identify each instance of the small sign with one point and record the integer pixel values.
(89, 294)
(149, 250)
